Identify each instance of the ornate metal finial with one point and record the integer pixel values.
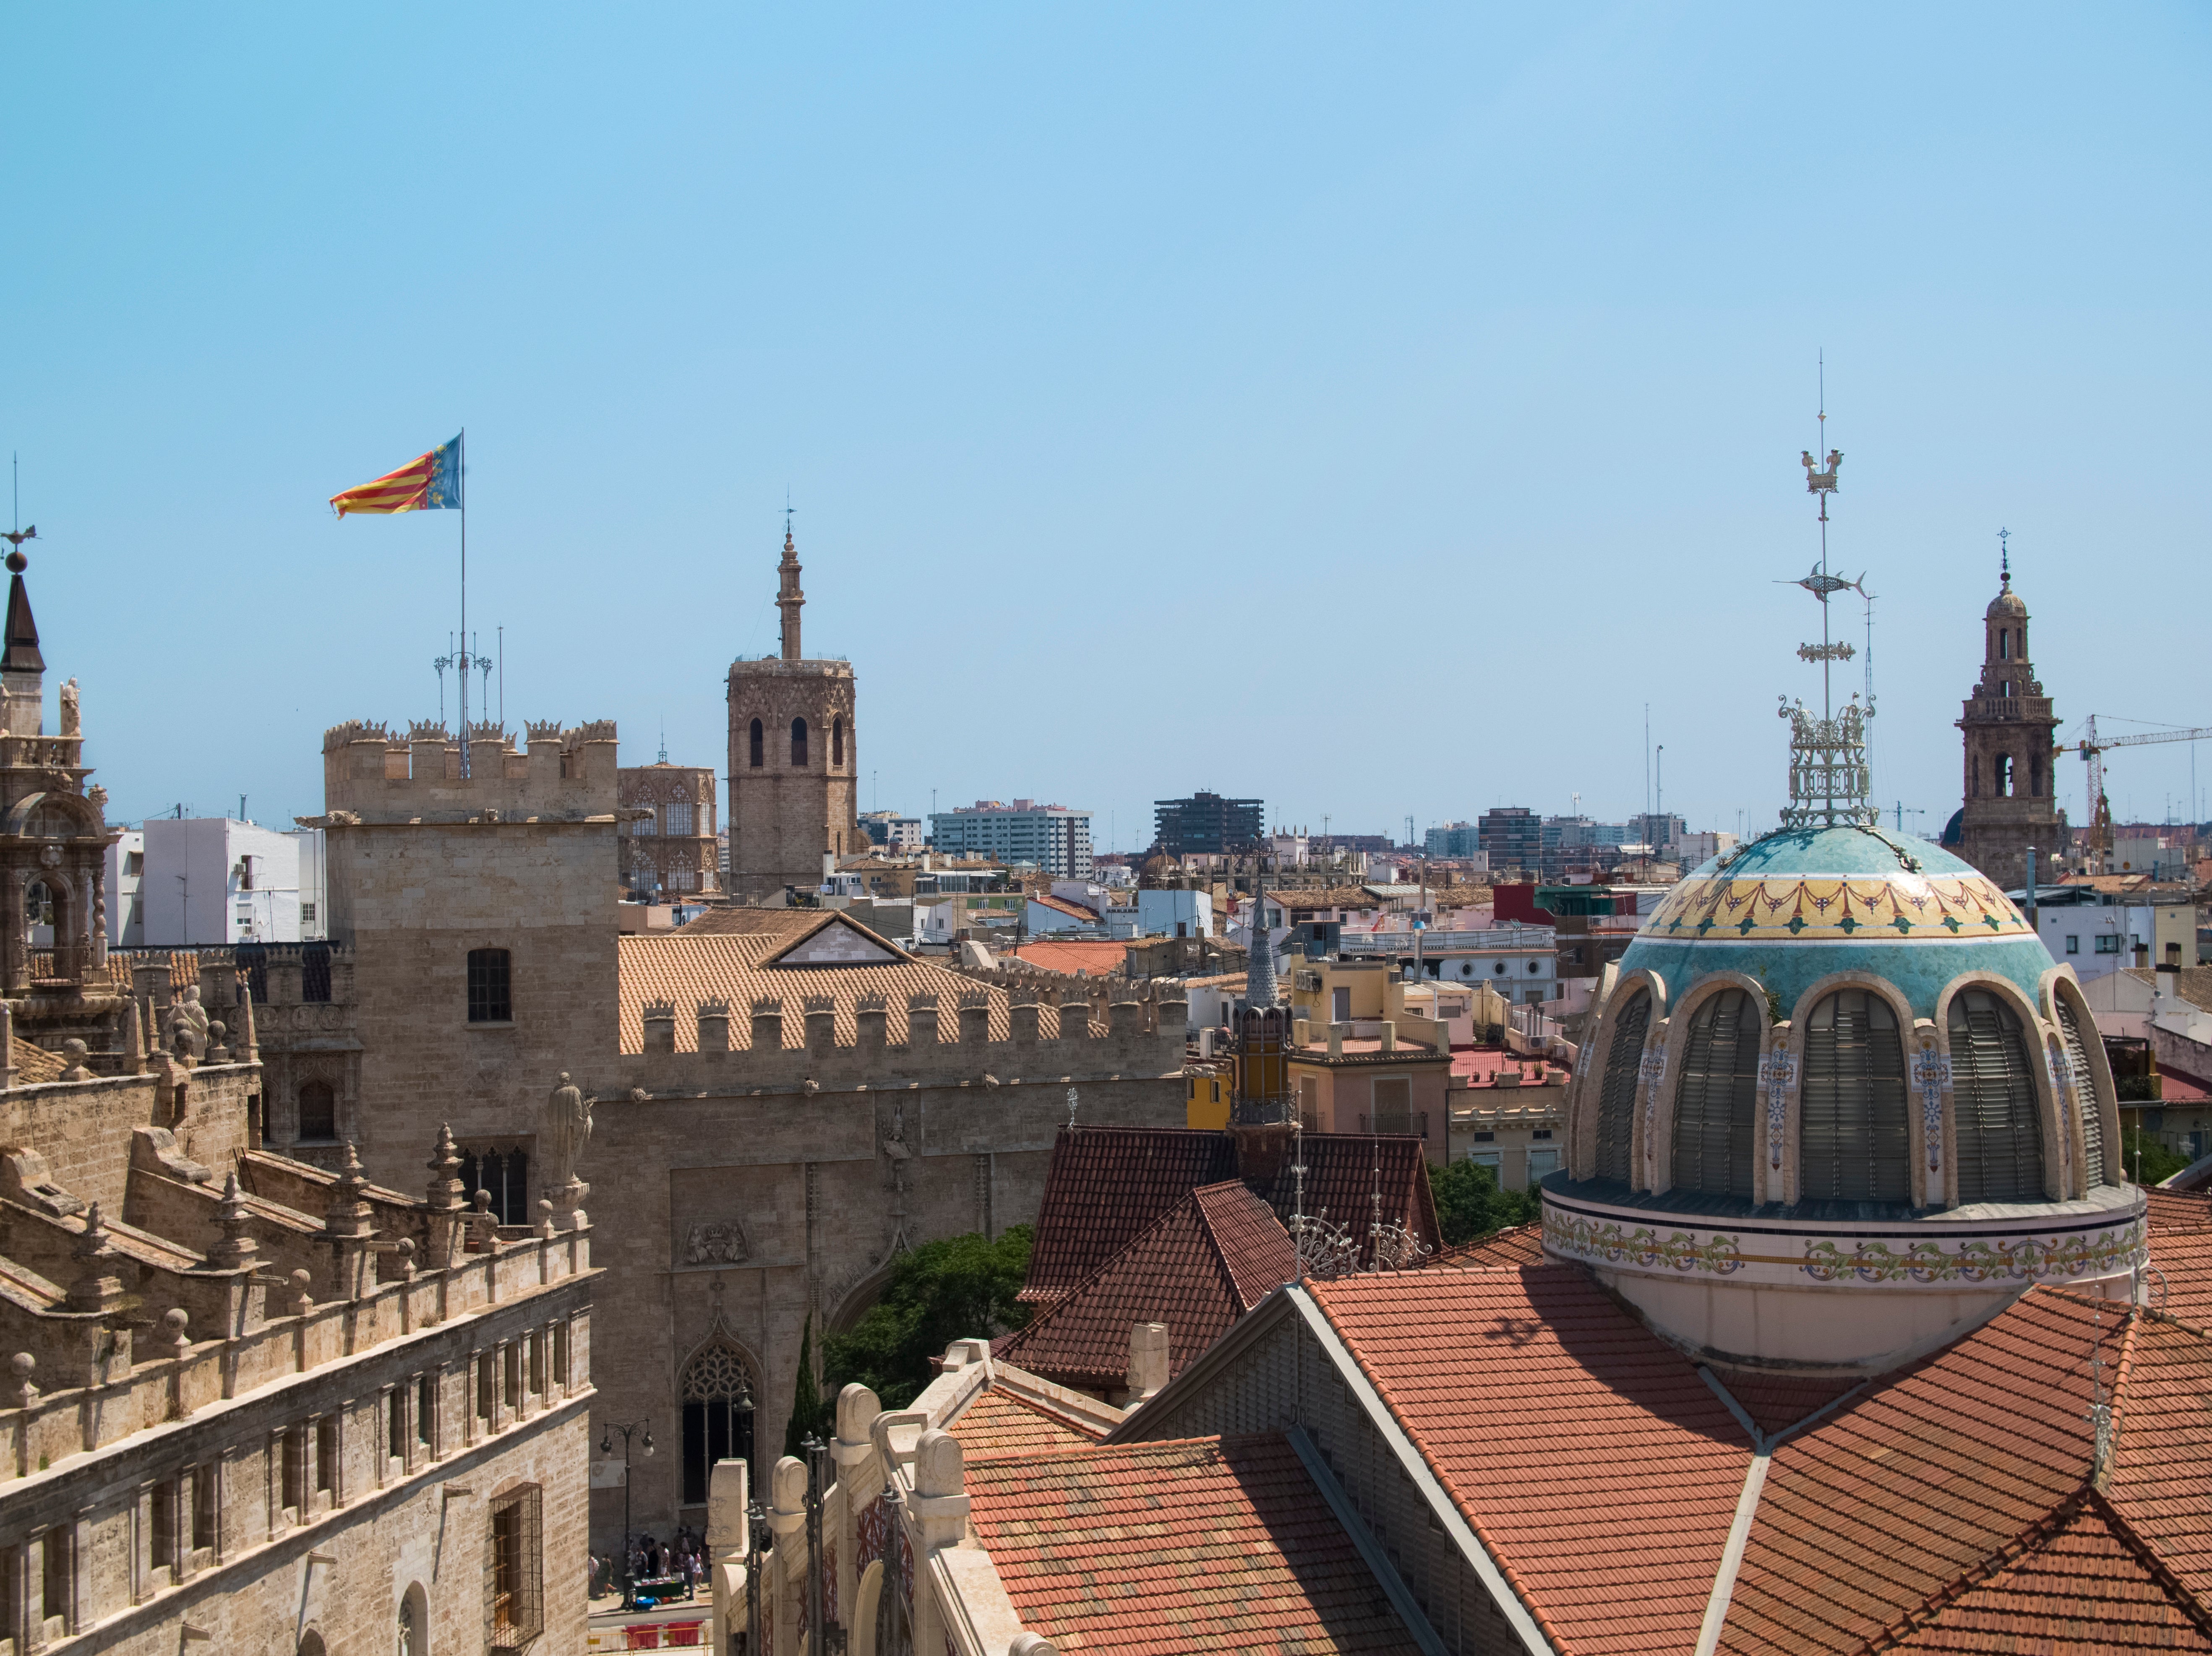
(1829, 780)
(2004, 558)
(1070, 1107)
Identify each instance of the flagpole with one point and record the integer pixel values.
(461, 466)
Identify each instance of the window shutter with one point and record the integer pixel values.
(1852, 1144)
(1994, 1095)
(1616, 1098)
(1717, 1098)
(2085, 1089)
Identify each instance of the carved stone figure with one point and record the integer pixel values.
(72, 723)
(567, 1130)
(188, 1025)
(715, 1244)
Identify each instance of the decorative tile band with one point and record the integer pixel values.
(1901, 905)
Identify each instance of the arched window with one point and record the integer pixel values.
(837, 740)
(755, 757)
(718, 1414)
(2004, 644)
(798, 744)
(318, 1113)
(1851, 1139)
(1716, 1100)
(2035, 776)
(1994, 1094)
(414, 1623)
(2085, 1088)
(2004, 776)
(1616, 1097)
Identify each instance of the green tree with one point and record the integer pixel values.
(956, 1287)
(810, 1412)
(2158, 1162)
(1470, 1206)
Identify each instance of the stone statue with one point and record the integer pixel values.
(567, 1130)
(188, 1025)
(72, 723)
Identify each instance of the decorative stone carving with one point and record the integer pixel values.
(567, 1131)
(187, 1026)
(74, 1052)
(72, 719)
(715, 1244)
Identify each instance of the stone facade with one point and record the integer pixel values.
(669, 847)
(2008, 724)
(793, 762)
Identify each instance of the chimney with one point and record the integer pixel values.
(2167, 997)
(1148, 1360)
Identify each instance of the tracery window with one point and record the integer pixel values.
(1616, 1098)
(1852, 1132)
(718, 1414)
(1993, 1090)
(798, 744)
(2085, 1087)
(1716, 1100)
(676, 818)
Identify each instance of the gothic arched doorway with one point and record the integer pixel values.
(716, 1390)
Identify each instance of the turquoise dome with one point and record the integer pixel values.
(1800, 904)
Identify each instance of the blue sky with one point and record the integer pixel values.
(1367, 409)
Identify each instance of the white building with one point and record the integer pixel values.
(210, 880)
(1055, 838)
(1175, 913)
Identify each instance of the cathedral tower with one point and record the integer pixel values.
(2007, 723)
(793, 760)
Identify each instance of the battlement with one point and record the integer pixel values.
(373, 775)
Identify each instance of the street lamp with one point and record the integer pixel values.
(607, 1447)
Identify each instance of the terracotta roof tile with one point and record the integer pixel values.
(1104, 1184)
(1062, 905)
(1199, 1268)
(736, 920)
(688, 966)
(1344, 1171)
(1096, 957)
(2164, 1406)
(998, 1422)
(32, 1063)
(1163, 1549)
(1521, 1245)
(1778, 1402)
(1567, 1432)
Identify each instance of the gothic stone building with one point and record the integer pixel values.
(669, 848)
(793, 764)
(2010, 803)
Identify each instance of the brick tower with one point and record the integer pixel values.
(793, 760)
(2008, 724)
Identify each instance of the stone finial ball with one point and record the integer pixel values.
(22, 1362)
(17, 563)
(301, 1279)
(174, 1320)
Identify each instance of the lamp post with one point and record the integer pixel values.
(644, 1428)
(756, 1548)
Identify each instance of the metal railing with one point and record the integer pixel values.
(1524, 938)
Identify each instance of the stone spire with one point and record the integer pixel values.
(788, 597)
(348, 1214)
(237, 1251)
(98, 1284)
(1260, 973)
(22, 640)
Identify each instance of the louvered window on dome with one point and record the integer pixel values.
(1717, 1098)
(2085, 1089)
(1852, 1119)
(1616, 1098)
(1993, 1090)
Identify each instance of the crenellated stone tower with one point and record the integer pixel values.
(2008, 724)
(793, 760)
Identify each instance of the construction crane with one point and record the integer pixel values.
(2091, 749)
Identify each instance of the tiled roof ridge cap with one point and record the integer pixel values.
(1522, 1587)
(1212, 1446)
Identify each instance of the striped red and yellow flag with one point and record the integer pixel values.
(427, 483)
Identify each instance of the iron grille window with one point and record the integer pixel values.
(1616, 1098)
(2085, 1087)
(1852, 1144)
(718, 1415)
(514, 1603)
(491, 998)
(1717, 1097)
(315, 966)
(504, 1175)
(1993, 1092)
(319, 1111)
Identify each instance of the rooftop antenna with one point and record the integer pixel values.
(664, 739)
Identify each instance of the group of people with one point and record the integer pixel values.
(681, 1561)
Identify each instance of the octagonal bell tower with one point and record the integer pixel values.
(794, 760)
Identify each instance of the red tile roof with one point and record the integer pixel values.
(998, 1422)
(1566, 1433)
(1094, 957)
(1344, 1171)
(2181, 1250)
(1199, 1268)
(1104, 1185)
(1061, 904)
(1521, 1245)
(1163, 1549)
(1778, 1402)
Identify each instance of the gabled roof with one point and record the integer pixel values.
(1345, 1173)
(1199, 1268)
(1105, 1185)
(999, 1423)
(1163, 1549)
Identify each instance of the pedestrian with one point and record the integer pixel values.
(590, 1575)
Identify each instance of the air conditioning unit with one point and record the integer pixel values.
(1308, 981)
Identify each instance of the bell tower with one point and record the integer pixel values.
(2008, 725)
(794, 759)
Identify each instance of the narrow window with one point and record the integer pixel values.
(537, 1361)
(491, 998)
(1994, 1089)
(754, 758)
(426, 1411)
(165, 1526)
(798, 744)
(1852, 1145)
(294, 1471)
(487, 1387)
(1616, 1100)
(2085, 1090)
(395, 1424)
(2004, 644)
(838, 741)
(511, 1367)
(2035, 776)
(560, 1353)
(318, 1113)
(54, 1585)
(203, 1508)
(1716, 1099)
(513, 1597)
(326, 1454)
